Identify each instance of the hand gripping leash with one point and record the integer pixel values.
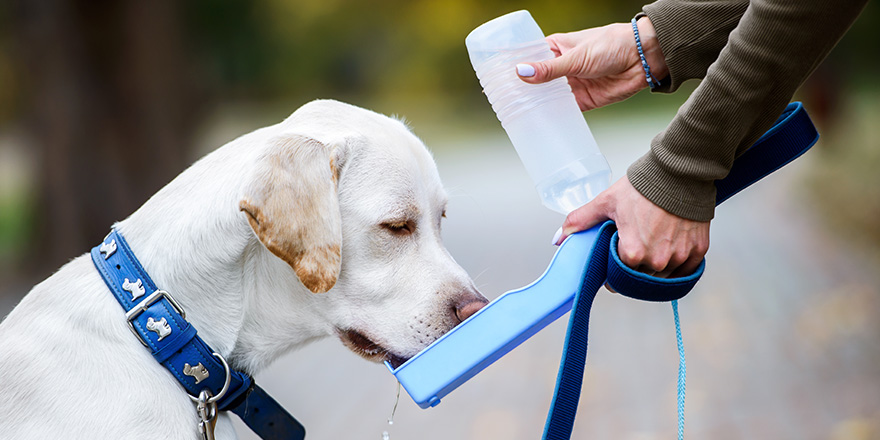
(790, 137)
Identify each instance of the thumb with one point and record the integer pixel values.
(585, 217)
(543, 71)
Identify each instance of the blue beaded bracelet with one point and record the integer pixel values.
(652, 82)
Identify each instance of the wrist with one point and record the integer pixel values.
(651, 47)
(684, 196)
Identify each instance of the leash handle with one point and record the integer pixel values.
(790, 137)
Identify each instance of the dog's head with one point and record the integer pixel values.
(352, 201)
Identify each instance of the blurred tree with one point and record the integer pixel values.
(110, 106)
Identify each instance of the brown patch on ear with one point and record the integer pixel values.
(293, 208)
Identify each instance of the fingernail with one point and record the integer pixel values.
(556, 236)
(525, 70)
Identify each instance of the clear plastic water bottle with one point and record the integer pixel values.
(543, 121)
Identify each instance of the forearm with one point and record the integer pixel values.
(773, 49)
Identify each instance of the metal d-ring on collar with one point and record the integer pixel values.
(214, 399)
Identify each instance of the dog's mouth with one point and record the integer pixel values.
(368, 349)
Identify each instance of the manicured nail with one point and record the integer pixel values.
(525, 70)
(556, 237)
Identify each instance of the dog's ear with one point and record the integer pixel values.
(293, 207)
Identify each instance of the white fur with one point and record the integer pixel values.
(69, 367)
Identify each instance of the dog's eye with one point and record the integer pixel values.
(399, 227)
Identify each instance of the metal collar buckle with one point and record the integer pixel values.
(145, 304)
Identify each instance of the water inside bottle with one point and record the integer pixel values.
(564, 196)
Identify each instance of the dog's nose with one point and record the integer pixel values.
(469, 304)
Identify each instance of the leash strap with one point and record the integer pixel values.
(790, 137)
(682, 370)
(266, 417)
(160, 324)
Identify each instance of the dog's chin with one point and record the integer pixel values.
(368, 349)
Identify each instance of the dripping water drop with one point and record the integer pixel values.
(385, 435)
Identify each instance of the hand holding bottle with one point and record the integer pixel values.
(602, 64)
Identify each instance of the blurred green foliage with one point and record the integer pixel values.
(383, 50)
(15, 225)
(393, 47)
(388, 50)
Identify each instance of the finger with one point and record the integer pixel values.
(641, 257)
(584, 217)
(688, 267)
(677, 259)
(557, 236)
(648, 269)
(554, 41)
(664, 274)
(645, 269)
(695, 256)
(632, 254)
(543, 71)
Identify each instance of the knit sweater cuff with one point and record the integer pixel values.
(678, 195)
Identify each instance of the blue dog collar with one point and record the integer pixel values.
(160, 324)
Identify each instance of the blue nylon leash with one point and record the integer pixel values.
(790, 137)
(682, 370)
(160, 324)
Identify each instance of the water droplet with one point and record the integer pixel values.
(385, 435)
(394, 410)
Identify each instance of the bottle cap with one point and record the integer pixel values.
(508, 31)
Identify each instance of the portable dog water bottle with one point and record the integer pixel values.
(543, 121)
(515, 316)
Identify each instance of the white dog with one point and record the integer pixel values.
(327, 224)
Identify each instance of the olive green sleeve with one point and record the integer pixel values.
(691, 33)
(771, 51)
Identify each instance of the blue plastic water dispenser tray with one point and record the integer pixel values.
(498, 327)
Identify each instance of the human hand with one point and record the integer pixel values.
(602, 64)
(652, 240)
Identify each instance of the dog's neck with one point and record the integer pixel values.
(194, 242)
